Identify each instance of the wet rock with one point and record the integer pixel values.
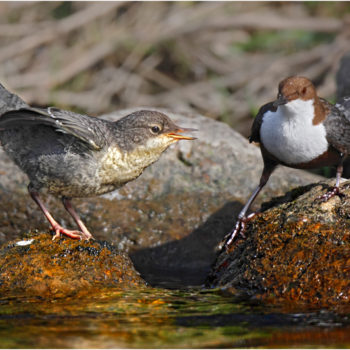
(37, 266)
(171, 218)
(297, 251)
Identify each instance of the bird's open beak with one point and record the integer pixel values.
(281, 100)
(176, 135)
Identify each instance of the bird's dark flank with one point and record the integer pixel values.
(298, 130)
(73, 155)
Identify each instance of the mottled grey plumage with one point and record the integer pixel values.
(64, 151)
(343, 105)
(337, 125)
(73, 155)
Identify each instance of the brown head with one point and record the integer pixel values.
(293, 88)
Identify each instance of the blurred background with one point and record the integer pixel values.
(221, 59)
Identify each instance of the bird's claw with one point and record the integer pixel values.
(328, 195)
(59, 230)
(239, 229)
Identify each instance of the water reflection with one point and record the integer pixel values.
(162, 318)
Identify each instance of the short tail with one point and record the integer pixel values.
(9, 101)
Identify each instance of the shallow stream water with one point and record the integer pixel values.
(162, 318)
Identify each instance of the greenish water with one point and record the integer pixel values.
(158, 318)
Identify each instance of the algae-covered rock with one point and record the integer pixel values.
(297, 251)
(38, 266)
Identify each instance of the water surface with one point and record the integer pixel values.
(160, 318)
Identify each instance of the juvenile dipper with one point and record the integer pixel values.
(298, 130)
(73, 155)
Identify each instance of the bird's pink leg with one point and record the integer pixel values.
(68, 205)
(335, 190)
(242, 219)
(54, 224)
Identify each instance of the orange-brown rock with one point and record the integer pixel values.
(297, 252)
(38, 266)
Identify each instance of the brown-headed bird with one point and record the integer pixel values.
(298, 130)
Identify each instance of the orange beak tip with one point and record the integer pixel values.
(177, 134)
(182, 137)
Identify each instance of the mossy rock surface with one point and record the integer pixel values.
(296, 252)
(38, 266)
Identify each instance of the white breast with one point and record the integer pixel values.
(289, 134)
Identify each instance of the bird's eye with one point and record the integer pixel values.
(155, 129)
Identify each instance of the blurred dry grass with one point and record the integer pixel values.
(222, 59)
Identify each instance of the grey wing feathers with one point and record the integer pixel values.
(9, 101)
(344, 106)
(88, 129)
(338, 127)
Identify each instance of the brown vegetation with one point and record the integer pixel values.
(222, 59)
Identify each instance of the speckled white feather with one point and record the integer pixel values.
(289, 134)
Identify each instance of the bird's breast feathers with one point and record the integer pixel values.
(119, 167)
(289, 133)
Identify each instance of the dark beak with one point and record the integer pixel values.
(281, 100)
(177, 134)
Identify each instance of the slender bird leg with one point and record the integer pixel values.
(335, 190)
(54, 224)
(68, 205)
(242, 220)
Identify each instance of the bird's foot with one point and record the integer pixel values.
(226, 243)
(328, 195)
(69, 233)
(239, 229)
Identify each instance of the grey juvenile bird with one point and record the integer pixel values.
(73, 155)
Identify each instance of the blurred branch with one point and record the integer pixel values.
(64, 27)
(206, 57)
(258, 21)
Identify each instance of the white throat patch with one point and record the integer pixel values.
(289, 134)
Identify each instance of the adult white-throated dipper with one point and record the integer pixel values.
(298, 130)
(73, 155)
